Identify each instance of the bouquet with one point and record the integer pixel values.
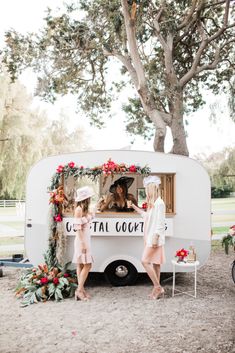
(42, 284)
(229, 239)
(181, 254)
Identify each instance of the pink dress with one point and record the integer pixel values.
(152, 255)
(84, 224)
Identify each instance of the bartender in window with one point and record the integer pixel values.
(118, 198)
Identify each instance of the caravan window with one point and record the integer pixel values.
(138, 191)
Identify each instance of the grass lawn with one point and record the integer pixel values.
(220, 230)
(7, 211)
(16, 225)
(223, 204)
(11, 240)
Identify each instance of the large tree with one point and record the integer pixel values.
(167, 50)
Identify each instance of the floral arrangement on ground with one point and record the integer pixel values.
(41, 284)
(229, 239)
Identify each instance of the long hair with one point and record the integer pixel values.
(152, 193)
(84, 204)
(125, 192)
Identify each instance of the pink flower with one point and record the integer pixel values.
(58, 218)
(60, 168)
(132, 168)
(44, 280)
(71, 164)
(56, 280)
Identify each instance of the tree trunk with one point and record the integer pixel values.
(177, 125)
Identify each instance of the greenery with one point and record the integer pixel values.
(19, 131)
(11, 240)
(166, 51)
(221, 168)
(229, 240)
(42, 283)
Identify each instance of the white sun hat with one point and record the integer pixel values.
(84, 193)
(151, 179)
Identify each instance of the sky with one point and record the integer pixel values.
(203, 136)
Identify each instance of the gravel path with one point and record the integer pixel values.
(123, 320)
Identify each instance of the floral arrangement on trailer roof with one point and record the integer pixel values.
(107, 169)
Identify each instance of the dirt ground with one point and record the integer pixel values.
(123, 319)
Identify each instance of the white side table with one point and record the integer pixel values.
(184, 265)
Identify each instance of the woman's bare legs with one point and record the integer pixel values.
(157, 270)
(82, 279)
(152, 275)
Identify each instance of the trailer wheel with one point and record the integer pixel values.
(121, 273)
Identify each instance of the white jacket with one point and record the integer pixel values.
(155, 223)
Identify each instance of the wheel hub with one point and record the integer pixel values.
(121, 271)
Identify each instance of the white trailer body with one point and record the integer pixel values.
(118, 237)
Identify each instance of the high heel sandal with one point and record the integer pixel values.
(158, 293)
(79, 295)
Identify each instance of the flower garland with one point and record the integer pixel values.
(107, 169)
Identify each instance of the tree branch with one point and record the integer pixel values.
(131, 38)
(205, 41)
(213, 65)
(188, 17)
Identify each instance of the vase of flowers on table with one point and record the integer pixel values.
(181, 255)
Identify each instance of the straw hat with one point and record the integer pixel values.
(121, 181)
(151, 179)
(84, 193)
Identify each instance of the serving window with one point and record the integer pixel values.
(137, 189)
(101, 188)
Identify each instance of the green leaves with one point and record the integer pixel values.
(40, 284)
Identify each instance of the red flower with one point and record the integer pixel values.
(182, 252)
(71, 164)
(66, 275)
(60, 169)
(56, 280)
(44, 280)
(144, 205)
(58, 218)
(109, 167)
(132, 168)
(81, 167)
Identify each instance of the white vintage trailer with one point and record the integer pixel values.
(117, 241)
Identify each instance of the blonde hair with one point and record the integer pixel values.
(152, 193)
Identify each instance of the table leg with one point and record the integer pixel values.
(173, 286)
(195, 282)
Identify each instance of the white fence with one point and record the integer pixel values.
(11, 203)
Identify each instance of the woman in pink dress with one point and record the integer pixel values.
(154, 233)
(82, 243)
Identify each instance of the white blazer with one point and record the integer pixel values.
(155, 223)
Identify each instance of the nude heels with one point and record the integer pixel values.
(158, 293)
(79, 295)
